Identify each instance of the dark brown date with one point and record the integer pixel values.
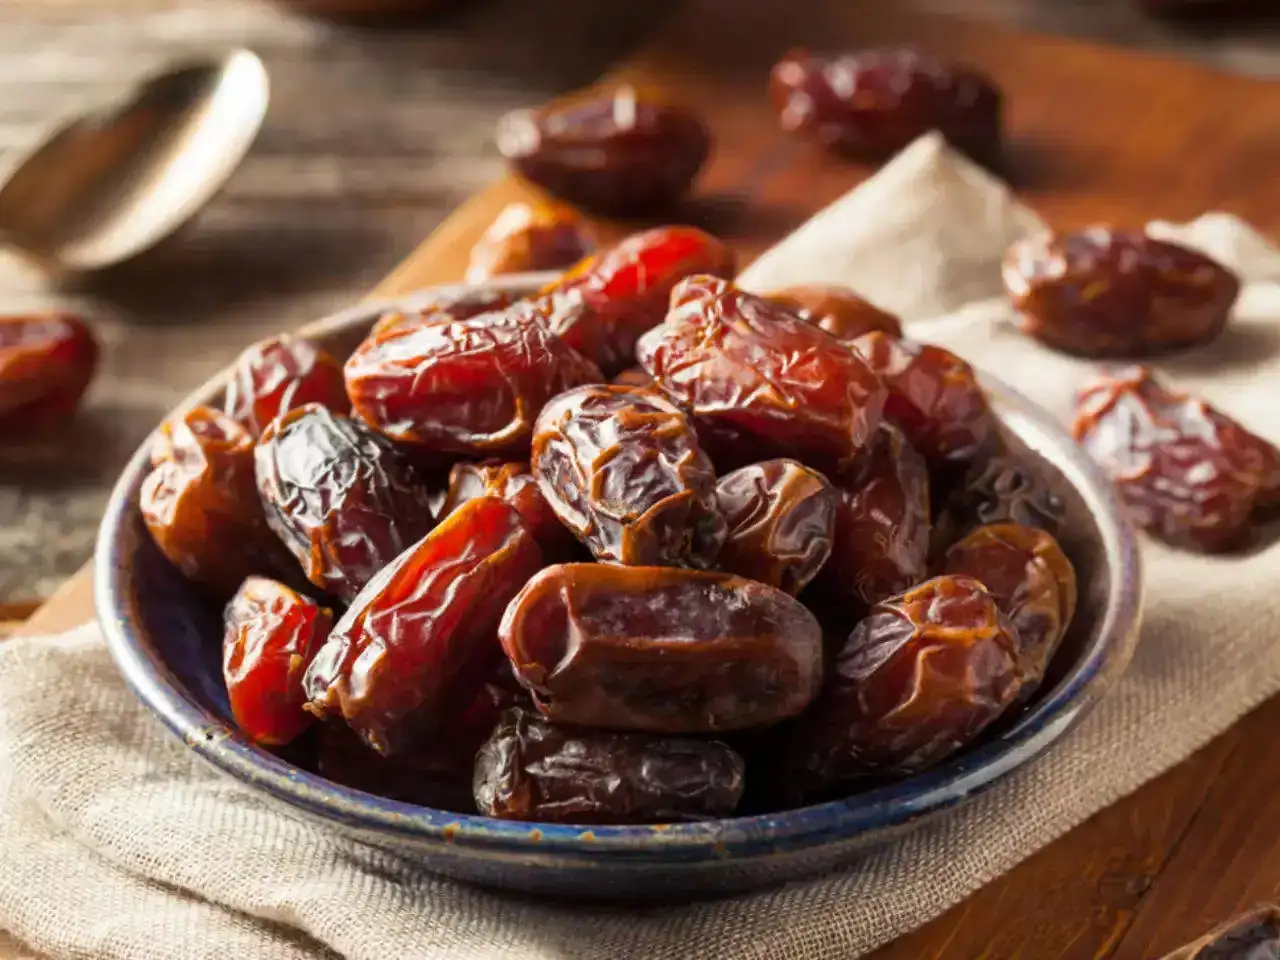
(660, 649)
(869, 104)
(620, 153)
(417, 644)
(1103, 292)
(46, 363)
(837, 310)
(781, 517)
(934, 397)
(881, 544)
(341, 756)
(342, 498)
(998, 489)
(200, 504)
(527, 237)
(531, 770)
(270, 634)
(623, 470)
(1032, 582)
(759, 381)
(279, 375)
(603, 305)
(917, 680)
(1187, 473)
(1252, 936)
(471, 386)
(512, 483)
(460, 304)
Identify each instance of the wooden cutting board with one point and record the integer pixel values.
(1097, 134)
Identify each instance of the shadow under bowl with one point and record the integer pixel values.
(166, 640)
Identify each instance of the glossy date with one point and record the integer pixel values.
(279, 375)
(527, 237)
(998, 489)
(514, 484)
(837, 310)
(46, 363)
(456, 305)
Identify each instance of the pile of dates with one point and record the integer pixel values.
(640, 547)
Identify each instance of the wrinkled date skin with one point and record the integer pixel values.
(870, 104)
(46, 363)
(781, 517)
(620, 153)
(837, 310)
(416, 646)
(759, 381)
(1188, 473)
(270, 634)
(514, 484)
(279, 375)
(623, 470)
(342, 498)
(527, 237)
(1102, 292)
(661, 650)
(603, 305)
(200, 504)
(881, 544)
(934, 398)
(530, 770)
(1032, 582)
(471, 386)
(462, 305)
(998, 489)
(917, 680)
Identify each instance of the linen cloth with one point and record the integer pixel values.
(115, 842)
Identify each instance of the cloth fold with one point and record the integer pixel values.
(118, 843)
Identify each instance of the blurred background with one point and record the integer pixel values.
(380, 125)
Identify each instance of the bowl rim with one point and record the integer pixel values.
(890, 805)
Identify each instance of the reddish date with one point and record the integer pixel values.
(603, 305)
(460, 305)
(837, 310)
(623, 470)
(917, 680)
(342, 498)
(781, 518)
(620, 153)
(660, 649)
(633, 377)
(531, 770)
(1187, 473)
(869, 104)
(881, 540)
(416, 645)
(527, 237)
(1032, 582)
(270, 634)
(200, 504)
(934, 397)
(1102, 292)
(999, 489)
(514, 484)
(46, 363)
(279, 375)
(471, 386)
(759, 381)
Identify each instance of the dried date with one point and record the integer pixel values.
(619, 152)
(270, 634)
(417, 644)
(342, 498)
(623, 470)
(660, 649)
(531, 770)
(759, 381)
(998, 489)
(918, 679)
(527, 237)
(471, 386)
(934, 397)
(512, 483)
(454, 305)
(279, 375)
(633, 377)
(837, 310)
(1102, 292)
(869, 104)
(46, 363)
(781, 517)
(1032, 582)
(1187, 473)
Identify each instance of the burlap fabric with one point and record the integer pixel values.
(116, 843)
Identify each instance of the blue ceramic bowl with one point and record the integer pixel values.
(167, 642)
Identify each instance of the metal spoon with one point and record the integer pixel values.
(111, 183)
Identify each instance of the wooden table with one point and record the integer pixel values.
(1138, 879)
